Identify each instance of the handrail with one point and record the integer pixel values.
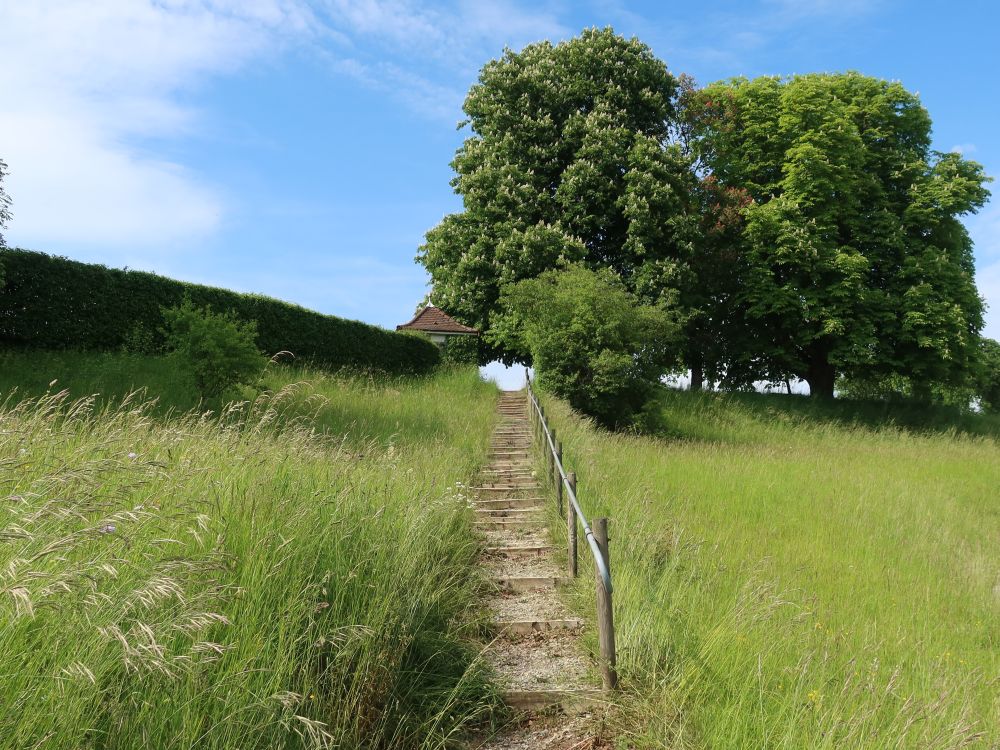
(602, 567)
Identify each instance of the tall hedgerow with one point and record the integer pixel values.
(55, 303)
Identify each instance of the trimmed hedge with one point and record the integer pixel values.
(48, 302)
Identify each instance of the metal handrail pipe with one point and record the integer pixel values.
(602, 568)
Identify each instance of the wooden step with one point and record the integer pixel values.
(519, 585)
(521, 552)
(527, 627)
(506, 487)
(509, 523)
(509, 502)
(532, 501)
(510, 513)
(572, 701)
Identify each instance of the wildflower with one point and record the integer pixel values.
(133, 455)
(815, 697)
(107, 529)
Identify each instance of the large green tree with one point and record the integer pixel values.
(855, 260)
(567, 162)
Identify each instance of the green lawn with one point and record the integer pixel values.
(295, 572)
(799, 575)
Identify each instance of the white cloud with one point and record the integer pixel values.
(85, 81)
(963, 148)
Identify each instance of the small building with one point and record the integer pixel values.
(437, 324)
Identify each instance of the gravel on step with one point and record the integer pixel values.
(531, 567)
(538, 662)
(530, 606)
(514, 537)
(547, 733)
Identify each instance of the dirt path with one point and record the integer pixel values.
(536, 654)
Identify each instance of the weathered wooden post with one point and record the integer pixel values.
(548, 452)
(605, 614)
(571, 526)
(557, 478)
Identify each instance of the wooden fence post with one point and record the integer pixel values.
(605, 614)
(559, 484)
(571, 526)
(548, 453)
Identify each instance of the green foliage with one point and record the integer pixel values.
(55, 303)
(591, 340)
(988, 377)
(217, 348)
(855, 259)
(461, 350)
(567, 162)
(297, 573)
(823, 577)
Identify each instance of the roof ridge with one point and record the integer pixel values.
(435, 320)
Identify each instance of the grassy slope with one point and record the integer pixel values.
(293, 574)
(790, 577)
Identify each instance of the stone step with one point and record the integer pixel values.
(574, 701)
(533, 583)
(527, 627)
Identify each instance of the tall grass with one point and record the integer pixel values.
(798, 576)
(292, 572)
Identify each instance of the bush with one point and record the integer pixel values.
(55, 303)
(591, 341)
(461, 350)
(217, 348)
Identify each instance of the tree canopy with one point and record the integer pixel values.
(797, 226)
(853, 253)
(567, 162)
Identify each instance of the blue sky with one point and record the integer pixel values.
(300, 148)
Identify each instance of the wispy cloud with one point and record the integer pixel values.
(963, 148)
(425, 55)
(84, 83)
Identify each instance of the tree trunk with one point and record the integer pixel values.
(821, 377)
(697, 376)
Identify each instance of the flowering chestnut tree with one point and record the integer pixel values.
(567, 161)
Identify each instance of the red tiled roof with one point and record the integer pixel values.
(435, 320)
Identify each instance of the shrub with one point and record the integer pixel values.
(217, 348)
(591, 341)
(55, 303)
(461, 350)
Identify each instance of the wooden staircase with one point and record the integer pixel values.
(536, 652)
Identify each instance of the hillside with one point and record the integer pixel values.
(791, 574)
(294, 572)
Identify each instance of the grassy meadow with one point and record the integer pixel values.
(800, 575)
(291, 572)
